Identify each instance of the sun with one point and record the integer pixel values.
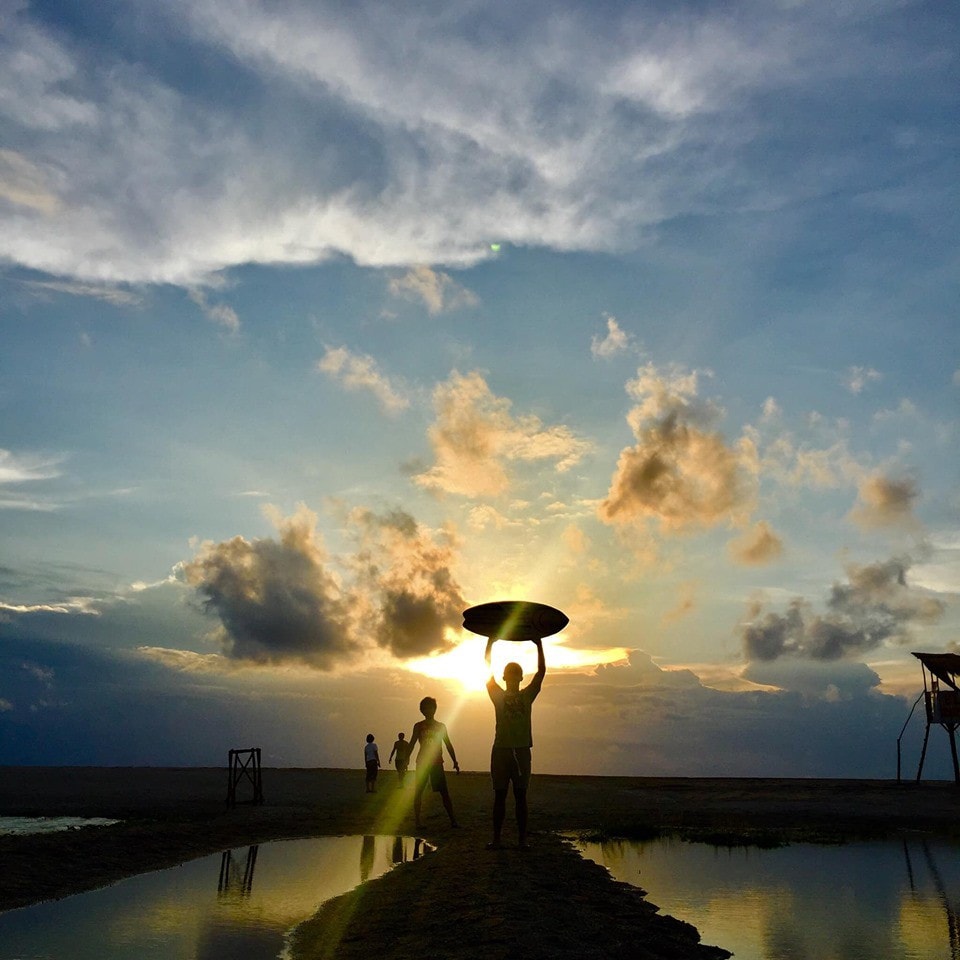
(464, 663)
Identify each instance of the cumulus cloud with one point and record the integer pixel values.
(277, 599)
(757, 546)
(874, 607)
(476, 437)
(857, 378)
(885, 502)
(438, 290)
(359, 371)
(827, 681)
(680, 473)
(406, 574)
(616, 341)
(286, 600)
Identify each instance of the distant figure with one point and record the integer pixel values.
(371, 759)
(510, 757)
(401, 749)
(432, 735)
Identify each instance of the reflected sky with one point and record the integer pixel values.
(861, 901)
(239, 905)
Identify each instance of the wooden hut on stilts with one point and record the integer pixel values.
(941, 697)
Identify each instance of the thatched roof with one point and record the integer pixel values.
(944, 666)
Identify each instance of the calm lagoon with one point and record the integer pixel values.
(858, 901)
(239, 905)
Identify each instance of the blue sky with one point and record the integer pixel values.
(322, 322)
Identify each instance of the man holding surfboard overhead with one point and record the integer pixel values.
(517, 620)
(513, 740)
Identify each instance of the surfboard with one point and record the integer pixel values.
(514, 620)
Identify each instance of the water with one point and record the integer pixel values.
(239, 905)
(20, 826)
(858, 901)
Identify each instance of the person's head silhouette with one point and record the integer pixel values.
(512, 675)
(428, 707)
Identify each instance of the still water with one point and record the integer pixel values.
(239, 905)
(858, 901)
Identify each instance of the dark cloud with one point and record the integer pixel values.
(883, 501)
(875, 606)
(406, 574)
(283, 600)
(277, 599)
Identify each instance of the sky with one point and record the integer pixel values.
(323, 322)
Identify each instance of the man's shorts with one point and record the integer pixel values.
(373, 769)
(434, 773)
(510, 765)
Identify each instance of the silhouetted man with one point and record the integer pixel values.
(510, 757)
(432, 736)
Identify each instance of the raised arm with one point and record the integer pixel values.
(537, 681)
(492, 685)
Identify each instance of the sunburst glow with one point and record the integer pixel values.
(465, 665)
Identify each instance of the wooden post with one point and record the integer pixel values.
(953, 753)
(244, 765)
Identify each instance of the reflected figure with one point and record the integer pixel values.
(367, 850)
(401, 750)
(235, 880)
(396, 855)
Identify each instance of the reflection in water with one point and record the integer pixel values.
(858, 901)
(367, 850)
(232, 880)
(178, 914)
(953, 932)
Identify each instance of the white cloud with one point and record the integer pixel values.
(115, 296)
(616, 341)
(25, 468)
(857, 378)
(360, 372)
(391, 135)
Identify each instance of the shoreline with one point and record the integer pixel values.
(462, 900)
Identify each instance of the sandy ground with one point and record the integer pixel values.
(462, 900)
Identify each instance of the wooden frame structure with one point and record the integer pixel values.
(941, 696)
(244, 765)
